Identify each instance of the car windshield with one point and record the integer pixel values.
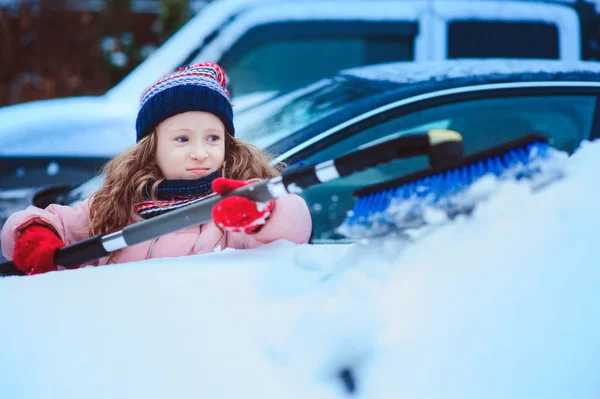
(265, 124)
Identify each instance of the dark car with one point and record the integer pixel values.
(487, 101)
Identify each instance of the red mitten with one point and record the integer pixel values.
(34, 249)
(236, 213)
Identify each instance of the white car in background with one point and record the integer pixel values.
(272, 46)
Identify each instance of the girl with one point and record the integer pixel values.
(185, 151)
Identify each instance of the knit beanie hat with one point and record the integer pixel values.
(199, 87)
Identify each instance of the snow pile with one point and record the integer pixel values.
(501, 304)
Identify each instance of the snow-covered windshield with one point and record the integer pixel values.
(265, 124)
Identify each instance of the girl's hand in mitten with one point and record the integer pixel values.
(238, 214)
(34, 249)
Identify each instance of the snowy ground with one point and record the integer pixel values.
(503, 304)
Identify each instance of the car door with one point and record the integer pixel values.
(484, 116)
(283, 47)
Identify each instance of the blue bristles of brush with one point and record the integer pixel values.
(400, 203)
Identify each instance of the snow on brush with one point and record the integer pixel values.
(500, 304)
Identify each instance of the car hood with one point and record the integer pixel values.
(87, 125)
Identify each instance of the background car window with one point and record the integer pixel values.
(497, 39)
(286, 56)
(483, 123)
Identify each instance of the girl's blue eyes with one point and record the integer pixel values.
(212, 138)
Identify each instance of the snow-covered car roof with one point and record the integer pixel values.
(419, 72)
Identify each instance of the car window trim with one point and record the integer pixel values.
(437, 98)
(208, 39)
(321, 10)
(595, 129)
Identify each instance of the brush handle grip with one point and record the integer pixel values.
(400, 148)
(70, 256)
(76, 254)
(439, 146)
(81, 252)
(10, 269)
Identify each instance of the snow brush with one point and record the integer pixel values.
(404, 203)
(443, 148)
(440, 146)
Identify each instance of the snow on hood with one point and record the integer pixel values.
(71, 108)
(501, 304)
(82, 126)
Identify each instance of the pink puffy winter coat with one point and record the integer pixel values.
(290, 221)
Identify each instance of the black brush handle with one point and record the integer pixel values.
(90, 249)
(403, 147)
(70, 256)
(440, 146)
(73, 255)
(10, 269)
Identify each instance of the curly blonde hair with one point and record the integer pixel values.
(128, 174)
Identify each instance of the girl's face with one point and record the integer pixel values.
(190, 145)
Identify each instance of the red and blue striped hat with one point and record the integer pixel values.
(198, 87)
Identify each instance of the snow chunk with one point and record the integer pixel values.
(52, 169)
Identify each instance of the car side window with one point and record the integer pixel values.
(502, 39)
(483, 123)
(287, 55)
